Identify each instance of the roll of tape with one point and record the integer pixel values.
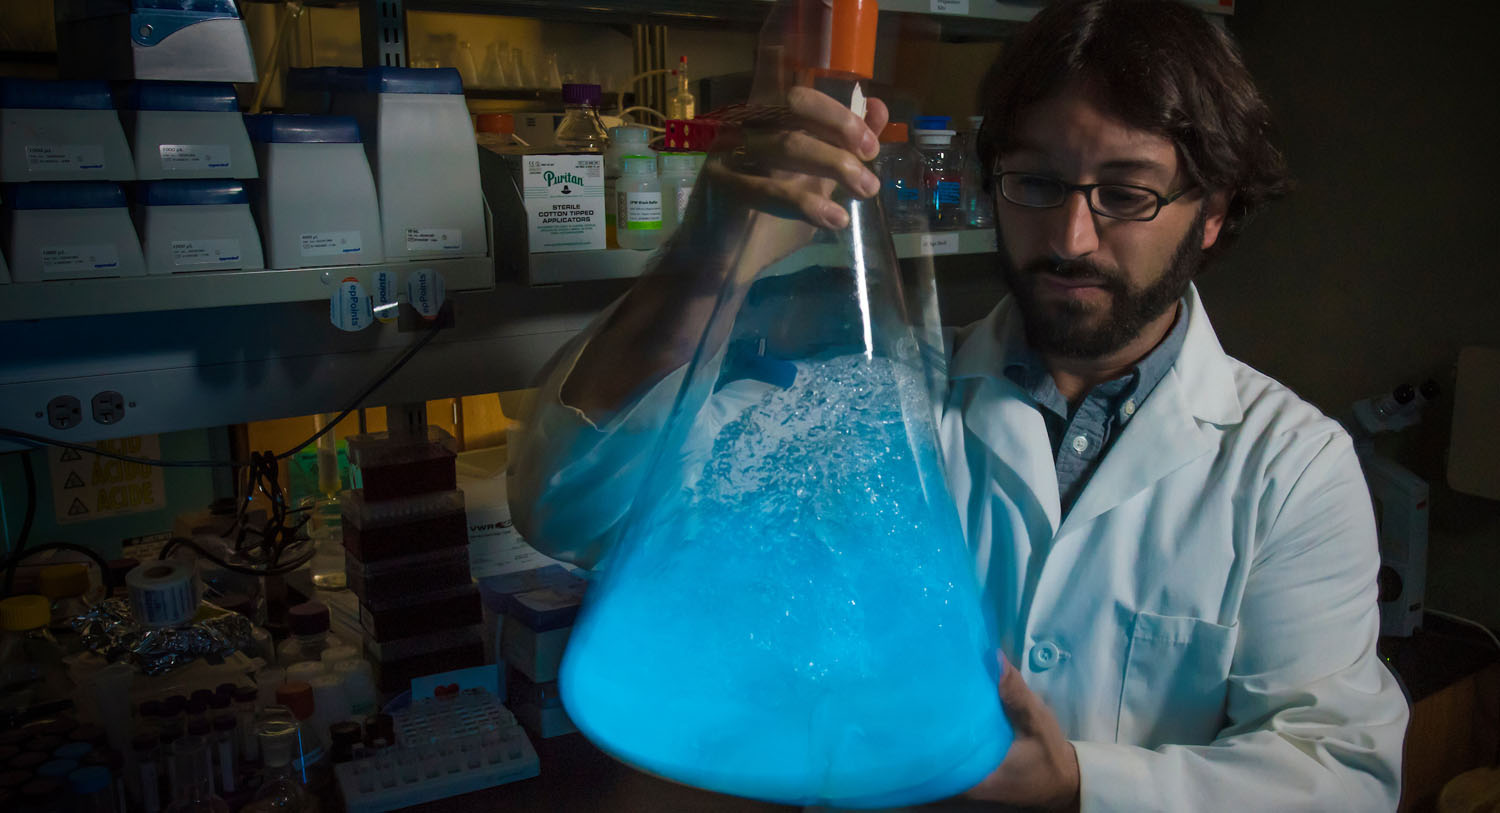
(163, 593)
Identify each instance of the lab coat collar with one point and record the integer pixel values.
(1164, 435)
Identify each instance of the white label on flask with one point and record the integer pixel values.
(387, 296)
(71, 259)
(205, 252)
(425, 290)
(434, 238)
(939, 243)
(949, 6)
(193, 157)
(54, 157)
(330, 243)
(349, 307)
(641, 211)
(564, 202)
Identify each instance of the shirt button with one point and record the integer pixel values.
(1080, 444)
(1044, 656)
(1130, 407)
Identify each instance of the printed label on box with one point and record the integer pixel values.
(564, 202)
(192, 157)
(330, 243)
(70, 259)
(941, 243)
(434, 238)
(205, 252)
(54, 157)
(949, 6)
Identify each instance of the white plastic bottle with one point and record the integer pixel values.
(638, 209)
(623, 141)
(944, 172)
(679, 172)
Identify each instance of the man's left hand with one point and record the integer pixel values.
(1041, 768)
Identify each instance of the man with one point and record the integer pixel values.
(1179, 553)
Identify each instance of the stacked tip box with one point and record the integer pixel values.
(406, 536)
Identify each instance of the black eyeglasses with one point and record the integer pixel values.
(1113, 200)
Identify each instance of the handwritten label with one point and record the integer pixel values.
(205, 252)
(949, 6)
(193, 157)
(64, 157)
(86, 486)
(75, 259)
(939, 243)
(434, 238)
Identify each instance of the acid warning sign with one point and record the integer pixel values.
(87, 486)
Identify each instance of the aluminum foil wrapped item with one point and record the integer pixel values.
(109, 630)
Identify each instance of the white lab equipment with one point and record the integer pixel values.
(317, 202)
(423, 156)
(69, 231)
(202, 225)
(195, 40)
(60, 131)
(185, 130)
(1400, 499)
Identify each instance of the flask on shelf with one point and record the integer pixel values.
(580, 129)
(944, 172)
(681, 104)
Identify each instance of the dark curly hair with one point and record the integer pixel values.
(1159, 66)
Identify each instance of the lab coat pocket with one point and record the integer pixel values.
(1176, 681)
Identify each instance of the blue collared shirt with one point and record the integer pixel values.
(1082, 435)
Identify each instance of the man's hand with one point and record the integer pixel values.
(1041, 769)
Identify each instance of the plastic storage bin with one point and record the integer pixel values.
(424, 158)
(195, 40)
(316, 203)
(60, 131)
(68, 231)
(196, 226)
(185, 130)
(397, 528)
(392, 466)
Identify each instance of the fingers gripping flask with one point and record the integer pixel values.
(791, 612)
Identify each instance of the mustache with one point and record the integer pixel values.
(1107, 278)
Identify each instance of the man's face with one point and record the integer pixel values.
(1087, 285)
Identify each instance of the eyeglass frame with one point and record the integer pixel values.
(1162, 201)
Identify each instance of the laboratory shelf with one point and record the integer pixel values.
(211, 289)
(581, 266)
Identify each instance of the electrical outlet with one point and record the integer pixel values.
(109, 407)
(64, 412)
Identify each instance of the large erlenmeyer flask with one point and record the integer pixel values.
(791, 612)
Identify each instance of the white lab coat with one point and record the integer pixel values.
(1202, 622)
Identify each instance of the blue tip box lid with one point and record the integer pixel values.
(932, 123)
(203, 97)
(219, 6)
(287, 128)
(207, 192)
(65, 195)
(414, 80)
(53, 94)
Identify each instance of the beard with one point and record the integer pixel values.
(1084, 330)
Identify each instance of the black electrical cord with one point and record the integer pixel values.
(276, 570)
(406, 356)
(30, 517)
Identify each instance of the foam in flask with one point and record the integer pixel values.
(791, 612)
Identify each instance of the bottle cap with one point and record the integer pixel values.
(226, 689)
(379, 727)
(495, 123)
(197, 708)
(308, 618)
(297, 696)
(236, 603)
(197, 727)
(63, 581)
(852, 37)
(201, 696)
(581, 94)
(22, 613)
(895, 132)
(932, 122)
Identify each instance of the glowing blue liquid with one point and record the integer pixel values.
(796, 622)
